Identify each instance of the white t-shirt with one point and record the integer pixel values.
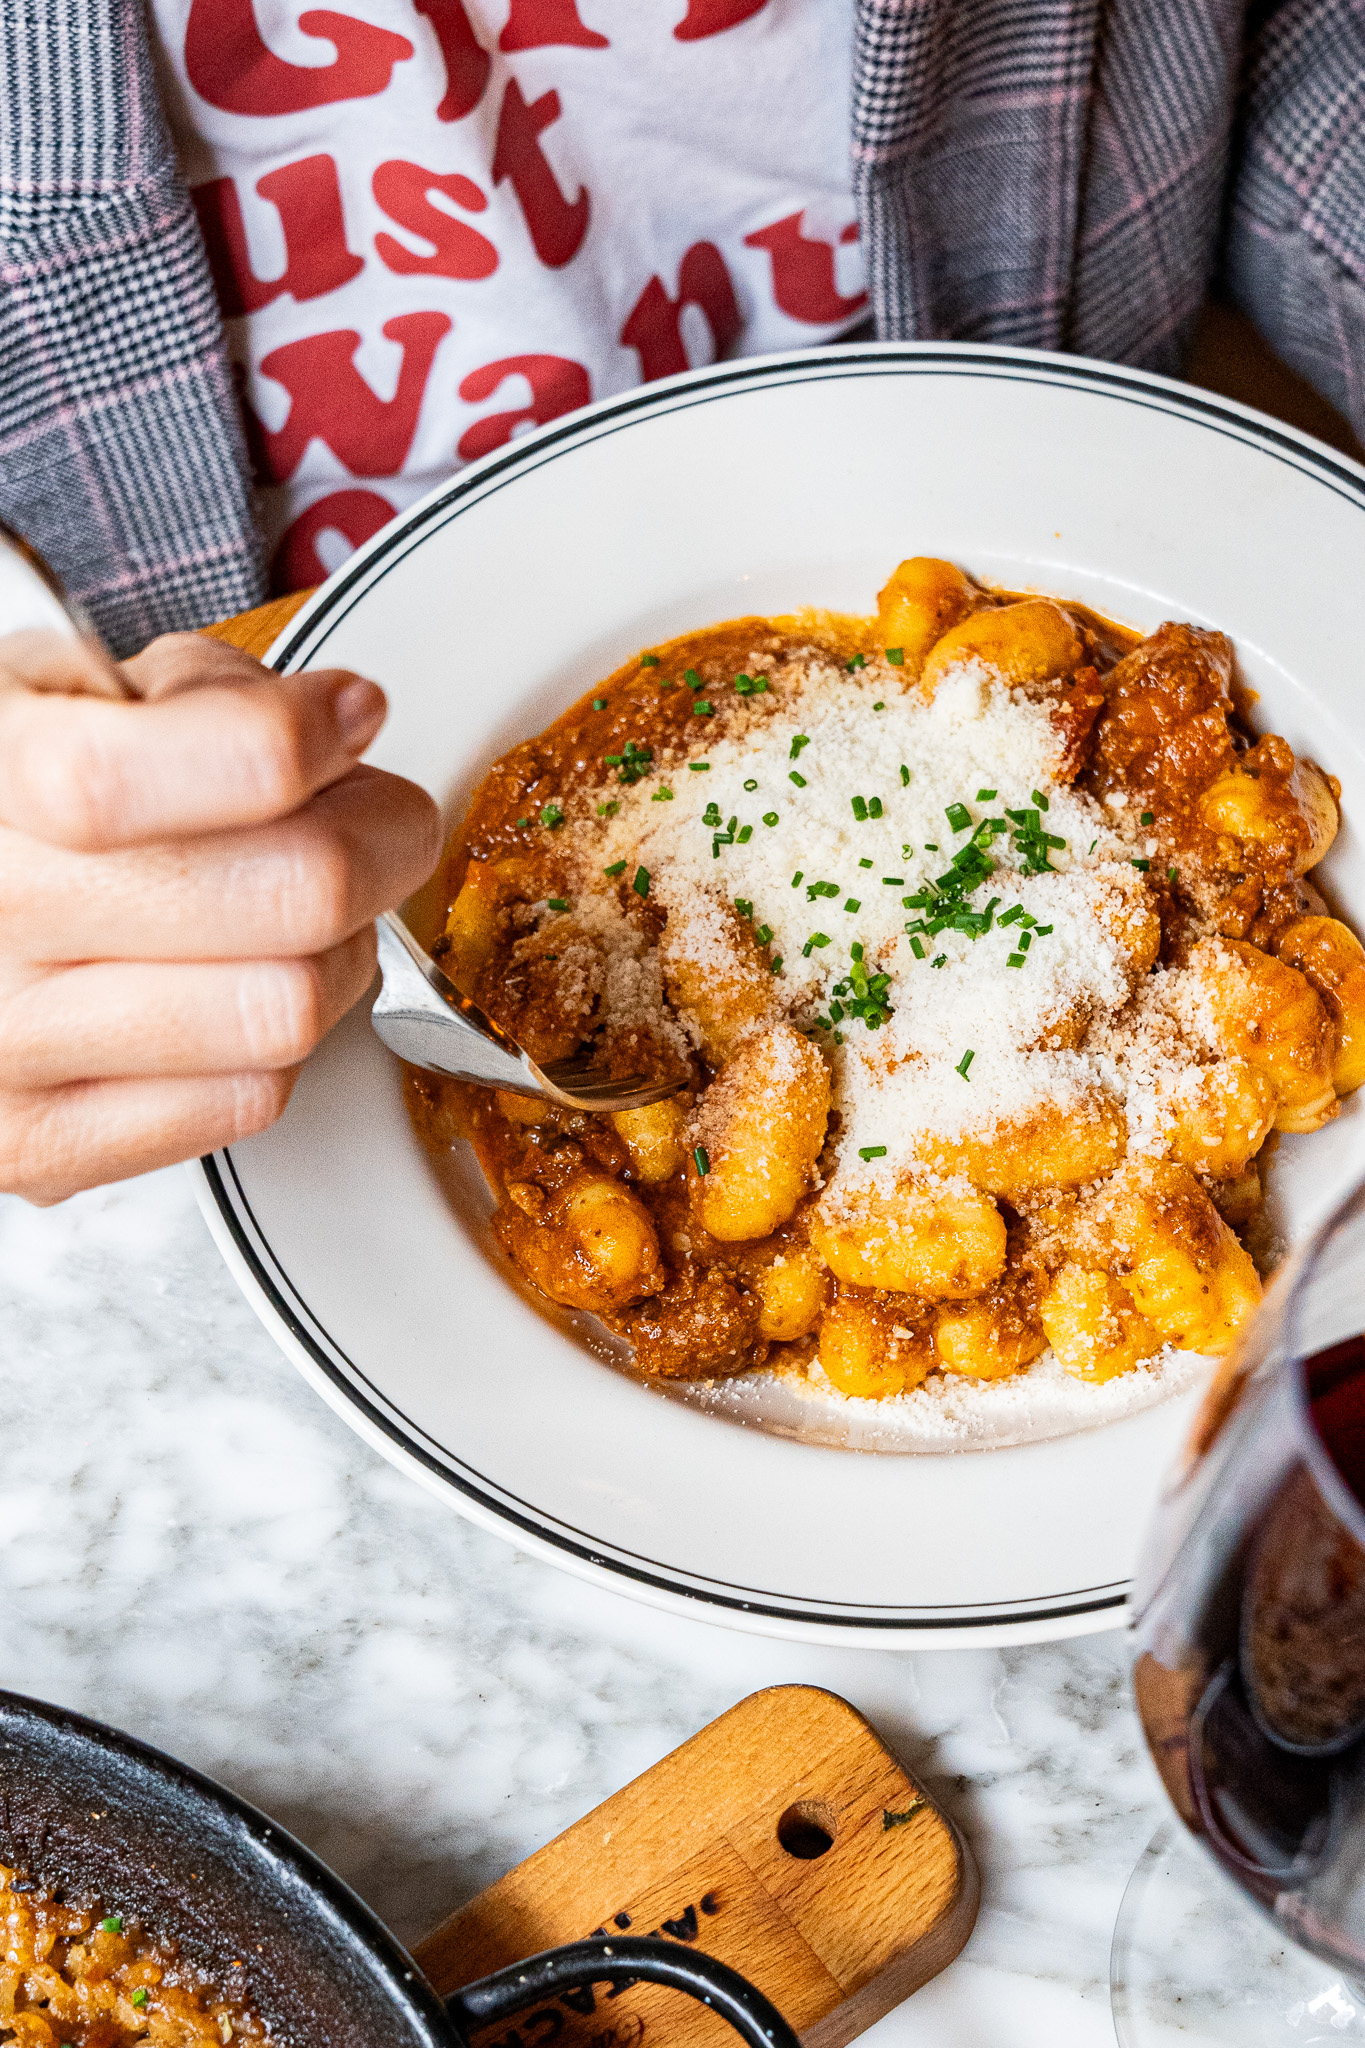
(435, 223)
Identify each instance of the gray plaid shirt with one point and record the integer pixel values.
(1065, 174)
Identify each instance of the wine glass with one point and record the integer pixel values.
(1250, 1683)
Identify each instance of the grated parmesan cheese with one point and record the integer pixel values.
(1058, 1025)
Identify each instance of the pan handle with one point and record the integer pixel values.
(583, 1963)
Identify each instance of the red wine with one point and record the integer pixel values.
(1336, 1394)
(1251, 1683)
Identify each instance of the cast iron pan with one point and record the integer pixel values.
(93, 1811)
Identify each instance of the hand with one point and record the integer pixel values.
(188, 882)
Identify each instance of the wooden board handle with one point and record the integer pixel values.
(784, 1838)
(254, 631)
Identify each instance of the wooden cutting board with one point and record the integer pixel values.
(784, 1839)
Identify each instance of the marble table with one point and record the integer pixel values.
(193, 1547)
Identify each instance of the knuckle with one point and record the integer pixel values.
(281, 1009)
(320, 889)
(34, 1164)
(66, 792)
(257, 1101)
(275, 746)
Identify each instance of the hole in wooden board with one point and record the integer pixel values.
(807, 1829)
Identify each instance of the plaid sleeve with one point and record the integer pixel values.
(121, 452)
(1294, 255)
(1044, 172)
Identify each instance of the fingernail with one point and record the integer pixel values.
(359, 712)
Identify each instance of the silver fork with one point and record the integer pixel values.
(421, 1015)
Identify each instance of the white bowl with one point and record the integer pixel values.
(759, 487)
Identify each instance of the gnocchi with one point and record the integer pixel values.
(974, 937)
(941, 1243)
(1331, 958)
(1268, 1015)
(761, 1127)
(1029, 642)
(1173, 1253)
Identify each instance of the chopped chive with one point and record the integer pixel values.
(744, 906)
(701, 709)
(874, 807)
(1016, 960)
(770, 817)
(796, 878)
(799, 780)
(618, 867)
(941, 961)
(930, 846)
(613, 760)
(765, 932)
(522, 823)
(958, 816)
(113, 1925)
(649, 661)
(1093, 844)
(893, 881)
(703, 1163)
(1147, 818)
(801, 740)
(699, 767)
(1039, 798)
(896, 656)
(855, 951)
(986, 796)
(1141, 864)
(853, 904)
(879, 705)
(1172, 875)
(815, 939)
(856, 661)
(775, 964)
(905, 773)
(751, 785)
(1040, 931)
(711, 815)
(872, 1151)
(599, 703)
(864, 863)
(556, 903)
(551, 816)
(836, 1011)
(859, 804)
(139, 1997)
(745, 834)
(603, 810)
(964, 1063)
(917, 948)
(641, 883)
(662, 795)
(690, 676)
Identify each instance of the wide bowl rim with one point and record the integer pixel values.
(1084, 1610)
